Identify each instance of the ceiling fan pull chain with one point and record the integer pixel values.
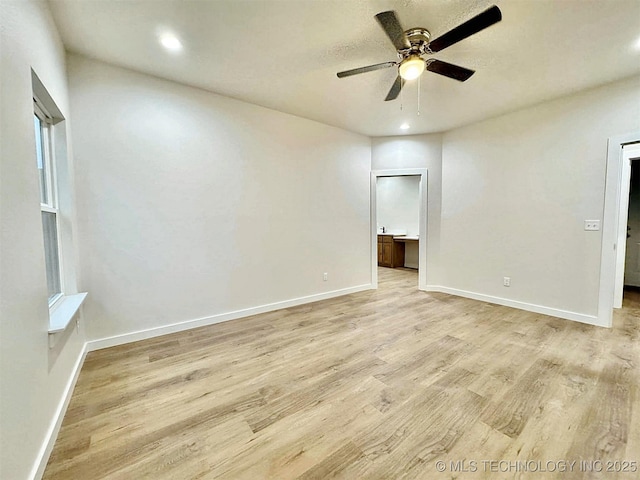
(419, 95)
(401, 94)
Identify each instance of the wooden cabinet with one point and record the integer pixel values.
(390, 253)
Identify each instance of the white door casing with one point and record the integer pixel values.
(627, 153)
(610, 230)
(422, 237)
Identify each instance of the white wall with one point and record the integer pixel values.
(33, 376)
(397, 204)
(516, 191)
(417, 151)
(194, 205)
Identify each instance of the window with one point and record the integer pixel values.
(56, 210)
(43, 125)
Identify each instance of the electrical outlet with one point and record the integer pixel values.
(506, 281)
(592, 225)
(325, 276)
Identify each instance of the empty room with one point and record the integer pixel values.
(282, 239)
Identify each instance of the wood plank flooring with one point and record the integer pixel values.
(378, 385)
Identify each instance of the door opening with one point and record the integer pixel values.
(632, 257)
(621, 150)
(628, 241)
(399, 197)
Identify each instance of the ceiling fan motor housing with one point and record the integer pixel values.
(419, 40)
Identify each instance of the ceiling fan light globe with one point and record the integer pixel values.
(411, 67)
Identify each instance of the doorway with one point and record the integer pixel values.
(628, 241)
(632, 256)
(419, 232)
(621, 152)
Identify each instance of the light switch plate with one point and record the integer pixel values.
(592, 225)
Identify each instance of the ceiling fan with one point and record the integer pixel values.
(414, 43)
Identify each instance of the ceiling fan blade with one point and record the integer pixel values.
(479, 22)
(391, 25)
(449, 70)
(395, 89)
(370, 68)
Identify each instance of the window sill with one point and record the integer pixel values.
(63, 312)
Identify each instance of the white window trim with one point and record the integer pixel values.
(48, 149)
(65, 309)
(65, 306)
(51, 205)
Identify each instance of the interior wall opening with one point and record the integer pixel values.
(628, 236)
(398, 222)
(631, 283)
(398, 214)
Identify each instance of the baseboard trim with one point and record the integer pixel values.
(52, 434)
(529, 307)
(107, 342)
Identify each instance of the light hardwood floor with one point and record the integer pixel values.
(380, 384)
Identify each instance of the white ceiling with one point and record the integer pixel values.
(284, 54)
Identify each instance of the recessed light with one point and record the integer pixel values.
(404, 126)
(637, 44)
(170, 42)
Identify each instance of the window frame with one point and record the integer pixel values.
(50, 204)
